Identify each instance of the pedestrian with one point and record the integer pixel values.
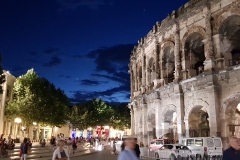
(114, 147)
(60, 153)
(69, 144)
(128, 153)
(24, 149)
(9, 138)
(53, 142)
(74, 145)
(233, 152)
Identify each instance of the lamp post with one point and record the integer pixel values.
(17, 121)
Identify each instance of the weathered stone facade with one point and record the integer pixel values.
(185, 73)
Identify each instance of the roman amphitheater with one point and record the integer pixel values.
(185, 74)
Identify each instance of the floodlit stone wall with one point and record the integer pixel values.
(185, 74)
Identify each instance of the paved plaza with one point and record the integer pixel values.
(83, 153)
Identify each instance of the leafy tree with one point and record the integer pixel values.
(122, 117)
(37, 100)
(2, 76)
(90, 114)
(98, 113)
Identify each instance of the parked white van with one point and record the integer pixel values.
(204, 147)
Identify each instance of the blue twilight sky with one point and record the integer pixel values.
(82, 46)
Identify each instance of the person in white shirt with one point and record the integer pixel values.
(69, 145)
(60, 153)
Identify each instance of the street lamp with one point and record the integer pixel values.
(18, 120)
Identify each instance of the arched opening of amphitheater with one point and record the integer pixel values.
(151, 126)
(199, 122)
(194, 54)
(151, 71)
(170, 125)
(231, 122)
(230, 31)
(168, 65)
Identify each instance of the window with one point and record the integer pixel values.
(198, 142)
(168, 146)
(182, 147)
(217, 143)
(210, 142)
(152, 142)
(183, 142)
(190, 142)
(159, 142)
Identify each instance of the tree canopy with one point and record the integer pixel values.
(35, 99)
(98, 113)
(122, 117)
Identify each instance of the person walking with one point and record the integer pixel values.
(69, 144)
(60, 153)
(74, 145)
(233, 152)
(53, 142)
(9, 138)
(128, 153)
(24, 149)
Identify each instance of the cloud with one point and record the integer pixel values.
(111, 59)
(55, 61)
(75, 4)
(82, 96)
(87, 82)
(63, 76)
(111, 65)
(51, 50)
(112, 78)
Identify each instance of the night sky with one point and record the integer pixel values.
(82, 46)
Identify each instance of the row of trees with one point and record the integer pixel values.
(35, 99)
(97, 112)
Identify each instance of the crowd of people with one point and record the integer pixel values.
(4, 145)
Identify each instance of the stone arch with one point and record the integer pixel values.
(197, 102)
(167, 58)
(191, 30)
(169, 122)
(229, 29)
(230, 117)
(151, 69)
(193, 50)
(197, 118)
(165, 45)
(224, 16)
(151, 119)
(230, 100)
(167, 108)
